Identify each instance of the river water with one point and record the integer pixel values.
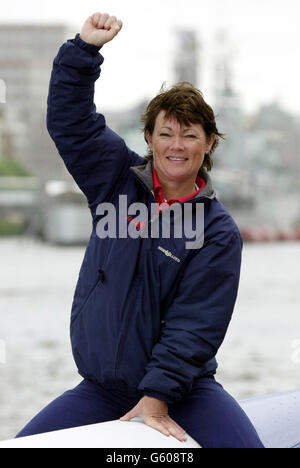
(260, 354)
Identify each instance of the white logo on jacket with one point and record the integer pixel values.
(169, 254)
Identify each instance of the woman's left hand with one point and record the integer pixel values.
(154, 412)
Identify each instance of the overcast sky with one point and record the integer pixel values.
(265, 37)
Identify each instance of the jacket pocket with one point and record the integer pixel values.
(81, 308)
(129, 328)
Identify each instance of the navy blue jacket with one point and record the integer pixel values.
(148, 314)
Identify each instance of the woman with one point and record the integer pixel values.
(149, 314)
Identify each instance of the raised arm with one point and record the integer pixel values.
(95, 156)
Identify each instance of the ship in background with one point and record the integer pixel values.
(256, 169)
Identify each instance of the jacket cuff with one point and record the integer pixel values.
(158, 395)
(91, 48)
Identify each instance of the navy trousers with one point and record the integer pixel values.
(208, 413)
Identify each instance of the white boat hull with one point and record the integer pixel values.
(275, 417)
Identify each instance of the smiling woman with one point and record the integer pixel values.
(181, 132)
(184, 104)
(149, 314)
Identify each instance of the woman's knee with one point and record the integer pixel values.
(214, 418)
(76, 407)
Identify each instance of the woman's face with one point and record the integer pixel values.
(178, 151)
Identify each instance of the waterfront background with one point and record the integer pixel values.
(37, 284)
(231, 51)
(242, 57)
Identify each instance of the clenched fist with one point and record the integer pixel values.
(100, 28)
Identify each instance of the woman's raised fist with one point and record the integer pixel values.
(100, 28)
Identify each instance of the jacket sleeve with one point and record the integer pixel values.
(94, 155)
(196, 321)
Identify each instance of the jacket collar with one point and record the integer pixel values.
(144, 174)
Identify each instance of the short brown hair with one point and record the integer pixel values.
(186, 104)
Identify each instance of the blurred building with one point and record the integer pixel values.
(227, 106)
(128, 125)
(26, 57)
(257, 167)
(6, 139)
(273, 142)
(280, 133)
(2, 92)
(186, 64)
